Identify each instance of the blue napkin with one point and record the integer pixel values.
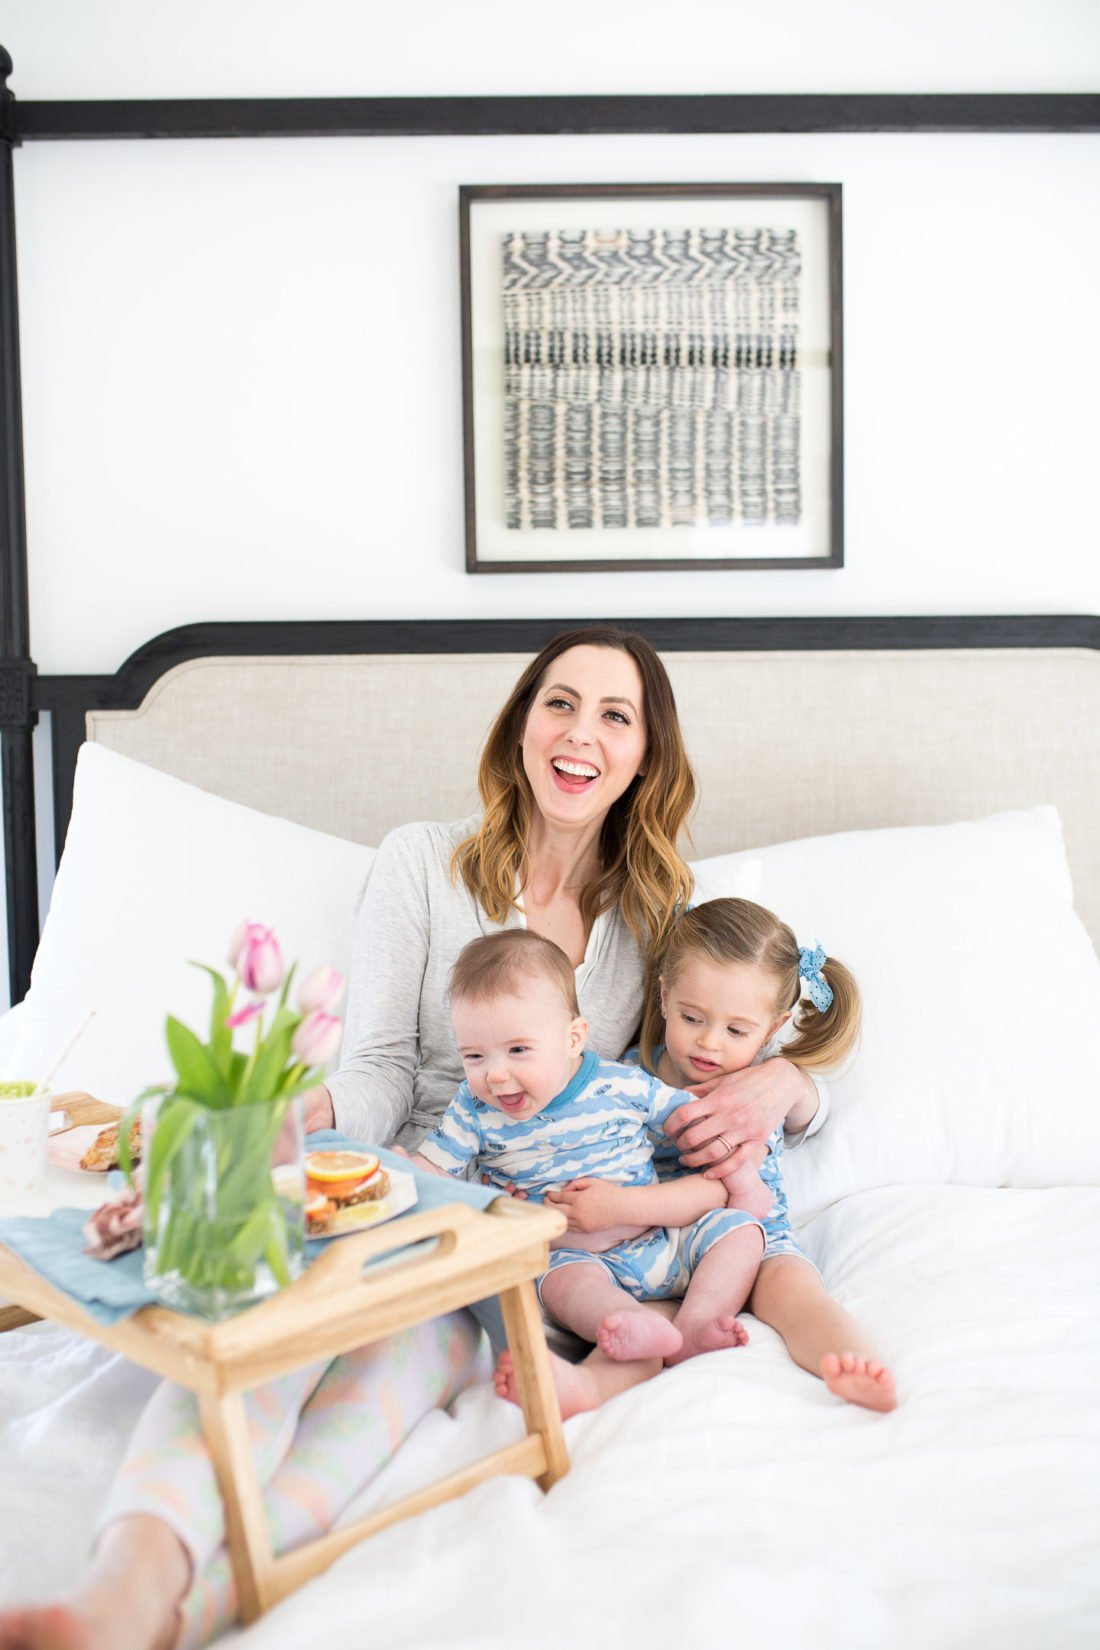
(112, 1289)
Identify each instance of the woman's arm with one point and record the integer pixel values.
(743, 1106)
(371, 1094)
(598, 1205)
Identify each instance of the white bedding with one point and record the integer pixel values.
(732, 1499)
(952, 1200)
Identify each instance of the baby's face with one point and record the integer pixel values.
(717, 1018)
(520, 1050)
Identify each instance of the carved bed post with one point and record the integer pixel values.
(17, 715)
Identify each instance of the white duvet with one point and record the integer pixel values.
(730, 1501)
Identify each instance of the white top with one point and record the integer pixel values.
(400, 1067)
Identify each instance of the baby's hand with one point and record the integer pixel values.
(420, 1162)
(590, 1205)
(509, 1186)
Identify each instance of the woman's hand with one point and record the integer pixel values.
(713, 1130)
(317, 1109)
(317, 1113)
(590, 1205)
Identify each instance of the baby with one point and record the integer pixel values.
(537, 1112)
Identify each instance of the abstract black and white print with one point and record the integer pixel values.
(652, 377)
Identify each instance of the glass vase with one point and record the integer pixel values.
(224, 1198)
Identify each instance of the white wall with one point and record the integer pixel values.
(240, 359)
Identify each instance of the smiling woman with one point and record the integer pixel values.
(584, 774)
(586, 788)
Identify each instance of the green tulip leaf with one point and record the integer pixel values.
(197, 1071)
(176, 1118)
(221, 1035)
(263, 1081)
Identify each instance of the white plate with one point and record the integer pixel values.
(402, 1195)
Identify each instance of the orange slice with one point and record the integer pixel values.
(338, 1173)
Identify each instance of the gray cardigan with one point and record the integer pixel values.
(399, 1066)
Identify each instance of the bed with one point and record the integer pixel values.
(922, 796)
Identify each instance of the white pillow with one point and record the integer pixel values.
(155, 872)
(980, 1057)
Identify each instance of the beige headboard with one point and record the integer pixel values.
(784, 744)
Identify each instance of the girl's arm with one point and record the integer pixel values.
(597, 1205)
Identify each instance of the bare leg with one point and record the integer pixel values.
(718, 1289)
(586, 1300)
(580, 1386)
(820, 1335)
(127, 1601)
(592, 1305)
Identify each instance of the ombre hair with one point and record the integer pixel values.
(724, 931)
(640, 870)
(496, 965)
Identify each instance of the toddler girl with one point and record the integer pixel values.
(730, 977)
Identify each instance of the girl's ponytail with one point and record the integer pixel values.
(825, 1037)
(825, 1021)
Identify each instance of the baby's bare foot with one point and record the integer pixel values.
(576, 1390)
(626, 1336)
(859, 1381)
(712, 1335)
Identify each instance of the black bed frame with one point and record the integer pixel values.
(23, 693)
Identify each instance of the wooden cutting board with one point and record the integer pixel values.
(83, 1109)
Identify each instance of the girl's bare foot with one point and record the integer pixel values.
(626, 1336)
(573, 1383)
(859, 1381)
(712, 1335)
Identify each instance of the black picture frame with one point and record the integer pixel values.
(760, 388)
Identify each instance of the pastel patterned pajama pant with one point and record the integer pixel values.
(319, 1435)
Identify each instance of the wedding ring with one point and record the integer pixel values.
(722, 1141)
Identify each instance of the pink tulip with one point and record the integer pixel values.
(317, 1038)
(258, 960)
(237, 943)
(243, 1015)
(323, 989)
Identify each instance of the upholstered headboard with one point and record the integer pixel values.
(786, 742)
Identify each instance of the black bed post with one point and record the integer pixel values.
(17, 717)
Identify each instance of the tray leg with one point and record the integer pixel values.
(527, 1344)
(226, 1430)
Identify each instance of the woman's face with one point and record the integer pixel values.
(584, 739)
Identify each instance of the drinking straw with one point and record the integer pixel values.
(44, 1082)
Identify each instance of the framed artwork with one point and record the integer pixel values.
(652, 376)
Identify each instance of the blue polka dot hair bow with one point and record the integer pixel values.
(811, 960)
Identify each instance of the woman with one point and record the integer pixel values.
(585, 787)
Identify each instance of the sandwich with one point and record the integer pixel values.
(338, 1182)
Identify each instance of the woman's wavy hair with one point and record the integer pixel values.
(641, 870)
(724, 931)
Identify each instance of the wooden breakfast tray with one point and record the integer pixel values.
(332, 1308)
(82, 1109)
